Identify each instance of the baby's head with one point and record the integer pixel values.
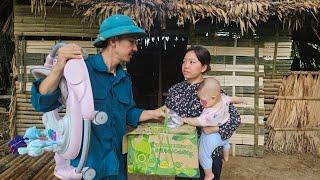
(209, 92)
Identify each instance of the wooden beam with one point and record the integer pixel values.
(256, 99)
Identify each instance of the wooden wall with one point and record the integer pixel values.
(245, 68)
(59, 22)
(236, 73)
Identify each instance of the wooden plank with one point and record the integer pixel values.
(256, 98)
(27, 121)
(77, 28)
(237, 80)
(235, 68)
(20, 8)
(24, 104)
(35, 113)
(30, 117)
(250, 129)
(59, 34)
(267, 53)
(247, 139)
(271, 45)
(44, 47)
(40, 125)
(247, 150)
(249, 119)
(59, 21)
(231, 51)
(232, 73)
(277, 50)
(250, 111)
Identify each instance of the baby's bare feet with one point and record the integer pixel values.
(209, 176)
(226, 155)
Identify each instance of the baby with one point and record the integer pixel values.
(215, 113)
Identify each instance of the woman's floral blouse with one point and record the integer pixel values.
(182, 98)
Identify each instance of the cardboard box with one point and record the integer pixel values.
(154, 149)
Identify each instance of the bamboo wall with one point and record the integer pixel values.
(59, 22)
(246, 69)
(236, 73)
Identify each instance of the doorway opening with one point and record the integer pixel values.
(155, 68)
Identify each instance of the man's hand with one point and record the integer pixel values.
(156, 114)
(69, 51)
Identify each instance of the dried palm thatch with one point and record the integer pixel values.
(245, 13)
(294, 122)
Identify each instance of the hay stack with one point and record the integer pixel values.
(294, 123)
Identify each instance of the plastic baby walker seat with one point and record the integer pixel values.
(72, 130)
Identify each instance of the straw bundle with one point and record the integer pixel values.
(294, 122)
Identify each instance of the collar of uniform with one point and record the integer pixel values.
(100, 66)
(120, 74)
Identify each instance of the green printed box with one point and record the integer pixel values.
(154, 149)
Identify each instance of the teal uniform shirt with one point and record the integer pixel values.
(113, 95)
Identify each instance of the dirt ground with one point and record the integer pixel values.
(271, 167)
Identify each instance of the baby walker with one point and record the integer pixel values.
(69, 132)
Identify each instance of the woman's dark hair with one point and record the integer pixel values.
(202, 54)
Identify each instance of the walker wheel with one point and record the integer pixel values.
(100, 118)
(89, 174)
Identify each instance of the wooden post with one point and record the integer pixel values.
(160, 91)
(275, 54)
(21, 48)
(12, 110)
(234, 64)
(256, 98)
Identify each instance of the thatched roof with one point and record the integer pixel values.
(245, 13)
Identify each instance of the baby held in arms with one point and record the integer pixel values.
(215, 113)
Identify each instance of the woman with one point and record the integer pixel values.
(183, 99)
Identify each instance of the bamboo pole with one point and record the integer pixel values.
(297, 129)
(13, 102)
(305, 72)
(16, 161)
(46, 170)
(256, 99)
(297, 98)
(275, 51)
(38, 163)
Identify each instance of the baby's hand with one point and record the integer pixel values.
(165, 110)
(244, 101)
(206, 130)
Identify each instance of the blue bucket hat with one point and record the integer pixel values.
(117, 25)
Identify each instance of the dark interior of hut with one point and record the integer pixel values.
(305, 50)
(155, 68)
(6, 46)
